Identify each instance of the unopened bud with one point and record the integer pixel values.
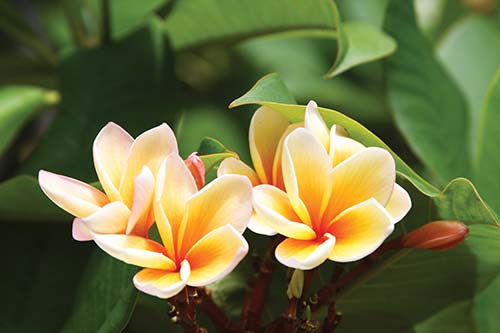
(296, 284)
(438, 236)
(197, 168)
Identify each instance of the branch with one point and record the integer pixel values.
(221, 321)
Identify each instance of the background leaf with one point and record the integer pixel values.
(428, 107)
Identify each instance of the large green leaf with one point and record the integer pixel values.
(194, 24)
(97, 86)
(487, 162)
(481, 34)
(18, 104)
(428, 107)
(24, 191)
(106, 296)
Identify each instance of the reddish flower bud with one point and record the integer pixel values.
(438, 235)
(197, 168)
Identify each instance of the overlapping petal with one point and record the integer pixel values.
(305, 254)
(226, 200)
(162, 283)
(110, 150)
(370, 173)
(110, 219)
(265, 132)
(341, 147)
(360, 230)
(278, 158)
(149, 149)
(399, 203)
(259, 225)
(307, 174)
(141, 218)
(234, 166)
(274, 207)
(135, 250)
(76, 197)
(316, 125)
(215, 255)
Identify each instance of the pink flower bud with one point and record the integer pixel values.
(197, 168)
(438, 236)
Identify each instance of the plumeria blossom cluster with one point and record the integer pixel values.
(330, 196)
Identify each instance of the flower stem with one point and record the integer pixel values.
(185, 304)
(254, 299)
(220, 320)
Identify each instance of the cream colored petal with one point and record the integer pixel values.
(265, 131)
(110, 219)
(226, 200)
(111, 149)
(370, 173)
(234, 166)
(307, 174)
(360, 230)
(165, 230)
(141, 216)
(215, 255)
(162, 283)
(76, 197)
(174, 187)
(259, 226)
(277, 166)
(399, 204)
(305, 254)
(341, 147)
(273, 208)
(315, 123)
(135, 250)
(149, 149)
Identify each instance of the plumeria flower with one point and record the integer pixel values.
(126, 169)
(268, 129)
(340, 200)
(200, 231)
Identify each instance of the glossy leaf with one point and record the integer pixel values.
(487, 162)
(427, 106)
(18, 104)
(212, 152)
(481, 35)
(106, 296)
(360, 43)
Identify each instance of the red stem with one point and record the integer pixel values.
(256, 296)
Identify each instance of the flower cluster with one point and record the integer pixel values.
(330, 196)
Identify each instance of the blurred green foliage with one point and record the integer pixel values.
(421, 75)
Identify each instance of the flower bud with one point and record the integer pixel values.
(438, 236)
(296, 284)
(197, 169)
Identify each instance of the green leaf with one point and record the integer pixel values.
(487, 162)
(360, 43)
(454, 319)
(24, 191)
(43, 267)
(98, 86)
(262, 93)
(212, 152)
(428, 107)
(106, 296)
(129, 15)
(481, 34)
(192, 25)
(18, 104)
